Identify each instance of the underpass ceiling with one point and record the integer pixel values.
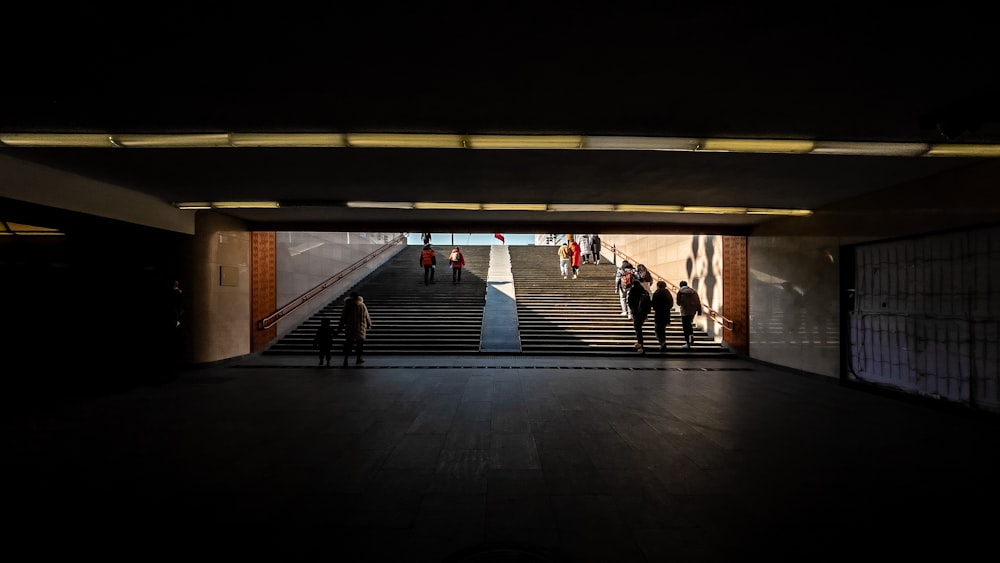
(725, 70)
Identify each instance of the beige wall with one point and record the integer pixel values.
(220, 289)
(696, 259)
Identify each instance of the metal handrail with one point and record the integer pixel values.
(275, 317)
(720, 320)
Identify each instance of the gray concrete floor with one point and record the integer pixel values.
(498, 458)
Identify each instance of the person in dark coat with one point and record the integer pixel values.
(662, 302)
(639, 303)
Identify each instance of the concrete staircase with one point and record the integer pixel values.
(407, 316)
(583, 316)
(554, 316)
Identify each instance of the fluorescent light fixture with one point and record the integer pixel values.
(640, 143)
(715, 210)
(525, 141)
(8, 228)
(381, 204)
(287, 140)
(193, 205)
(447, 205)
(245, 204)
(403, 140)
(787, 212)
(629, 208)
(756, 145)
(580, 207)
(89, 140)
(869, 149)
(964, 150)
(514, 207)
(173, 141)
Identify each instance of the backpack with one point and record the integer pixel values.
(627, 278)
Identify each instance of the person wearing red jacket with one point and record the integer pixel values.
(575, 261)
(428, 260)
(456, 261)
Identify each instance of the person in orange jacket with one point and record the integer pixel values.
(428, 259)
(456, 261)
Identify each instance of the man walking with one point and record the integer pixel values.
(690, 305)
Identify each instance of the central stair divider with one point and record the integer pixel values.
(500, 330)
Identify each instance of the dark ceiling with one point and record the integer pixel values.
(839, 72)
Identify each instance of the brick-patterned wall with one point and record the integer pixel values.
(734, 293)
(263, 286)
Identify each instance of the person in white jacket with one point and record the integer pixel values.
(585, 248)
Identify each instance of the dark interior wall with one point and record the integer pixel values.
(99, 293)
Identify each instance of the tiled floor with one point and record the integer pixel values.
(499, 459)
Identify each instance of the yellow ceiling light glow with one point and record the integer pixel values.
(524, 141)
(245, 204)
(514, 207)
(641, 143)
(630, 208)
(193, 205)
(443, 205)
(87, 140)
(786, 212)
(173, 141)
(756, 145)
(976, 151)
(715, 210)
(869, 149)
(404, 140)
(586, 207)
(381, 204)
(287, 140)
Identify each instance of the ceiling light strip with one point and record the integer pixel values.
(489, 141)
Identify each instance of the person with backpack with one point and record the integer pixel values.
(639, 303)
(623, 281)
(690, 305)
(662, 303)
(456, 261)
(565, 257)
(428, 260)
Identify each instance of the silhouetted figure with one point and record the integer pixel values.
(662, 302)
(428, 260)
(690, 305)
(177, 303)
(323, 341)
(426, 237)
(639, 303)
(355, 322)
